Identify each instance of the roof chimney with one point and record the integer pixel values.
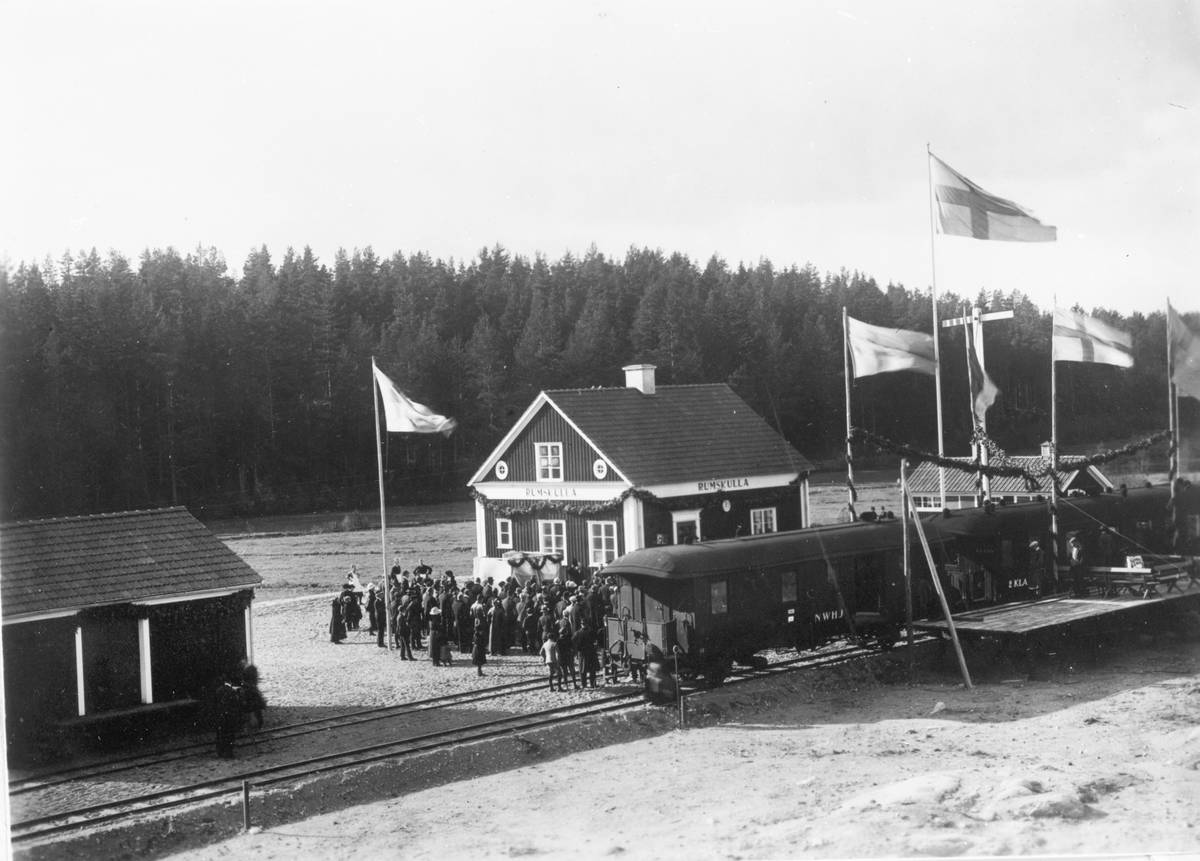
(640, 377)
(1046, 452)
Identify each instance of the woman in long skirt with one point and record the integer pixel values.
(337, 623)
(479, 648)
(498, 621)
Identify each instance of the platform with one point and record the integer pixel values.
(1064, 614)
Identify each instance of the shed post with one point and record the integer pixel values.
(80, 698)
(249, 633)
(144, 661)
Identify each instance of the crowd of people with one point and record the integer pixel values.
(560, 619)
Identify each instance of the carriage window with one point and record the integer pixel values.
(789, 586)
(720, 597)
(1006, 553)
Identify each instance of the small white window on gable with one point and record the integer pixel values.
(504, 539)
(552, 537)
(762, 520)
(602, 540)
(549, 461)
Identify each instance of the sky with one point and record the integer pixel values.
(794, 132)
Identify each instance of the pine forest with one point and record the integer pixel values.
(167, 382)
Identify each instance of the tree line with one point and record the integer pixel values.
(170, 382)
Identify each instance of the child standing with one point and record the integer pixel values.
(550, 659)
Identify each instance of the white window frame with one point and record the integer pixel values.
(556, 531)
(691, 515)
(761, 513)
(549, 451)
(504, 534)
(601, 534)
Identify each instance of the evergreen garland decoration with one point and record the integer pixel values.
(675, 503)
(536, 561)
(1006, 467)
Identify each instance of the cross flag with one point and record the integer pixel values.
(1185, 359)
(1079, 338)
(983, 390)
(876, 350)
(965, 209)
(405, 416)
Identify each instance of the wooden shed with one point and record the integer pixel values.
(113, 616)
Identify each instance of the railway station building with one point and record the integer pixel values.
(115, 619)
(588, 475)
(962, 492)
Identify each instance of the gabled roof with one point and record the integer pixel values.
(679, 433)
(924, 479)
(50, 565)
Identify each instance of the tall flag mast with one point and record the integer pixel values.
(401, 416)
(1183, 371)
(1078, 338)
(959, 207)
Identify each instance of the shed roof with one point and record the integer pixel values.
(679, 433)
(924, 479)
(75, 562)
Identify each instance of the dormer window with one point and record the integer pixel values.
(549, 461)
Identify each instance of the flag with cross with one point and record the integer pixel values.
(965, 209)
(1080, 338)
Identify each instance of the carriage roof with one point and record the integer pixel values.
(756, 552)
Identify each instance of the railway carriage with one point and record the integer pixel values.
(719, 602)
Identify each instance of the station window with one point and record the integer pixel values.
(789, 586)
(762, 520)
(720, 597)
(504, 539)
(549, 461)
(552, 537)
(602, 542)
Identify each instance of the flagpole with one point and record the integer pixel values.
(387, 587)
(849, 445)
(975, 444)
(1054, 448)
(937, 363)
(908, 607)
(1173, 425)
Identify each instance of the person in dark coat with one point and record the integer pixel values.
(415, 621)
(435, 636)
(496, 625)
(479, 649)
(337, 622)
(449, 619)
(585, 652)
(566, 651)
(252, 699)
(227, 712)
(1075, 557)
(466, 625)
(532, 631)
(379, 621)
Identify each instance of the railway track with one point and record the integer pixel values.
(113, 810)
(48, 779)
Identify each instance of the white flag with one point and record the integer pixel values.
(1079, 338)
(405, 416)
(876, 350)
